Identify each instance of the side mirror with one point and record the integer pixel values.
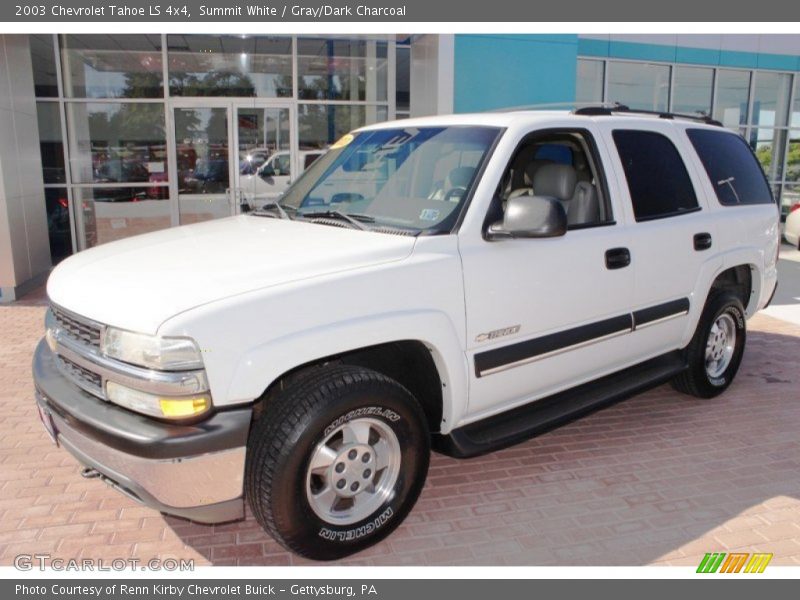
(530, 217)
(266, 172)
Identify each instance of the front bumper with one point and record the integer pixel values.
(193, 471)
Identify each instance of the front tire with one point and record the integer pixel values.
(715, 352)
(336, 461)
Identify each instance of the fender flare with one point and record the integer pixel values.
(749, 256)
(263, 365)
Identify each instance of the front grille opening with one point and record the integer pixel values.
(81, 331)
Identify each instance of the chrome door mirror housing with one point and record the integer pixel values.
(530, 217)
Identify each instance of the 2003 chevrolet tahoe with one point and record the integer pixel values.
(460, 282)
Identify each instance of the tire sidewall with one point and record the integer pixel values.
(294, 516)
(720, 305)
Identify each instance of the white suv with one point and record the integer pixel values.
(461, 282)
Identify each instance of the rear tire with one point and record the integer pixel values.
(715, 352)
(336, 461)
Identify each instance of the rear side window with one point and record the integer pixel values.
(657, 178)
(733, 170)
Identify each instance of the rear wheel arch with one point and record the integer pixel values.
(742, 280)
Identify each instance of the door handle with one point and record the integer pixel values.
(702, 241)
(618, 258)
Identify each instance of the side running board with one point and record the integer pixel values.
(519, 424)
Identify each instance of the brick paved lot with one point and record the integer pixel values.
(658, 479)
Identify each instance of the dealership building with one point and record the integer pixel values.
(107, 136)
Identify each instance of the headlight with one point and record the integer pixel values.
(157, 406)
(161, 353)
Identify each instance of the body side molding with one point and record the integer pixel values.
(527, 351)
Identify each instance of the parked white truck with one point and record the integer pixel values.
(494, 276)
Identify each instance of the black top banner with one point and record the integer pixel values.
(389, 11)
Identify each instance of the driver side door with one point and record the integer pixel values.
(546, 314)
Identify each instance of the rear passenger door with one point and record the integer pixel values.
(671, 230)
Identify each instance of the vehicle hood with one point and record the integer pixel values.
(140, 282)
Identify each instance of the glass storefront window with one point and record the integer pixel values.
(115, 213)
(50, 142)
(639, 85)
(691, 92)
(119, 142)
(112, 66)
(109, 125)
(342, 69)
(795, 120)
(43, 61)
(58, 223)
(319, 125)
(793, 157)
(403, 79)
(233, 66)
(771, 99)
(589, 85)
(733, 94)
(203, 140)
(769, 145)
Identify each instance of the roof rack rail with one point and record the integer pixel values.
(605, 110)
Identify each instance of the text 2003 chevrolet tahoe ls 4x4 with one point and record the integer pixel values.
(459, 282)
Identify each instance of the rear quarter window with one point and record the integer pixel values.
(733, 170)
(658, 182)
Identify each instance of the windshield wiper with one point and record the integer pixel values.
(262, 212)
(355, 219)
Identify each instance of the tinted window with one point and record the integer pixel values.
(733, 170)
(657, 178)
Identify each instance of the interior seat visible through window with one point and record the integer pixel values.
(557, 165)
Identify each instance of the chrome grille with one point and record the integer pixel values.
(78, 329)
(91, 382)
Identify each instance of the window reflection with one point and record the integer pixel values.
(50, 142)
(771, 99)
(733, 94)
(691, 93)
(590, 81)
(639, 85)
(203, 163)
(112, 66)
(117, 142)
(115, 213)
(319, 125)
(43, 62)
(58, 223)
(241, 66)
(793, 157)
(403, 79)
(342, 69)
(795, 120)
(769, 144)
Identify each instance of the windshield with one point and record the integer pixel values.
(412, 177)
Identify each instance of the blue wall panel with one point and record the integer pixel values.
(687, 55)
(500, 71)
